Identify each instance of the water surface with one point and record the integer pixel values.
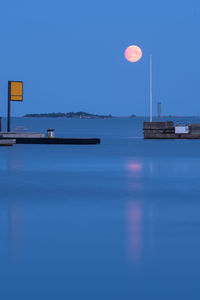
(120, 220)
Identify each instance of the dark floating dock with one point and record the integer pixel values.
(167, 130)
(59, 141)
(39, 138)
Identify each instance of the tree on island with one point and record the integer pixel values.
(81, 115)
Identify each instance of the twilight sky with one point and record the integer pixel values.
(70, 55)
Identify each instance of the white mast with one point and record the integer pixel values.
(151, 88)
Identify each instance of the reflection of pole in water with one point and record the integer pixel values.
(134, 231)
(11, 232)
(14, 160)
(15, 219)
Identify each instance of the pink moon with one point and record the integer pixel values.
(133, 53)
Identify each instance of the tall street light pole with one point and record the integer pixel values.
(151, 88)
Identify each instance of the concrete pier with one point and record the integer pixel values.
(167, 130)
(7, 142)
(14, 135)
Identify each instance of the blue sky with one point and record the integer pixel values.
(70, 55)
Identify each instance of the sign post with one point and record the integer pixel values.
(8, 119)
(15, 93)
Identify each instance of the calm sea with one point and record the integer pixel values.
(120, 220)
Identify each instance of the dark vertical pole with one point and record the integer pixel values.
(8, 119)
(159, 110)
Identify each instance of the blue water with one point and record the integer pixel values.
(120, 220)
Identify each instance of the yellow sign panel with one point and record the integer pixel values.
(16, 91)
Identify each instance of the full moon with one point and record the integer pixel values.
(133, 53)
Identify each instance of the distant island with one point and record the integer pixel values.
(75, 115)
